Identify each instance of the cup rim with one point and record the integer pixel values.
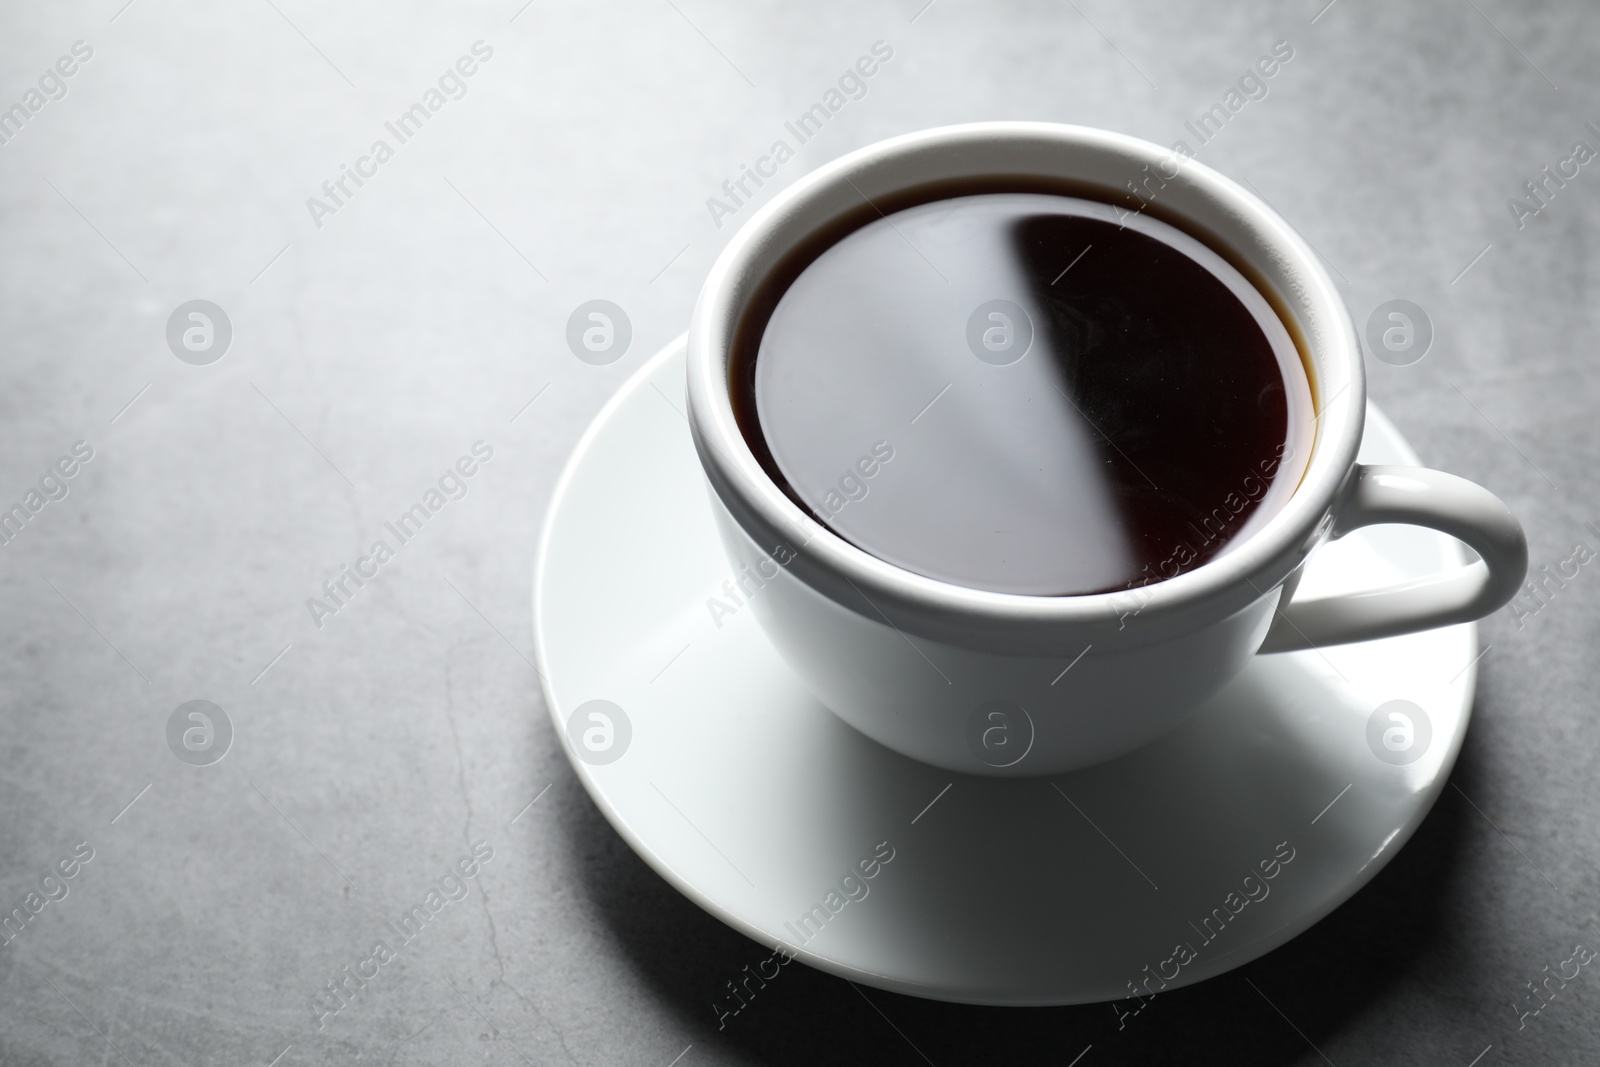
(1281, 263)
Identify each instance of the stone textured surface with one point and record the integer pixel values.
(431, 307)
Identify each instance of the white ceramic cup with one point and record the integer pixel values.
(971, 680)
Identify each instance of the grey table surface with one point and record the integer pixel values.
(375, 340)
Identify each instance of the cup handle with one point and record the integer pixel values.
(1419, 497)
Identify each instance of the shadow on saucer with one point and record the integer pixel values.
(1403, 926)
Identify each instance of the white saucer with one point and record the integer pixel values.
(755, 801)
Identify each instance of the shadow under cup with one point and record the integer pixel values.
(930, 667)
